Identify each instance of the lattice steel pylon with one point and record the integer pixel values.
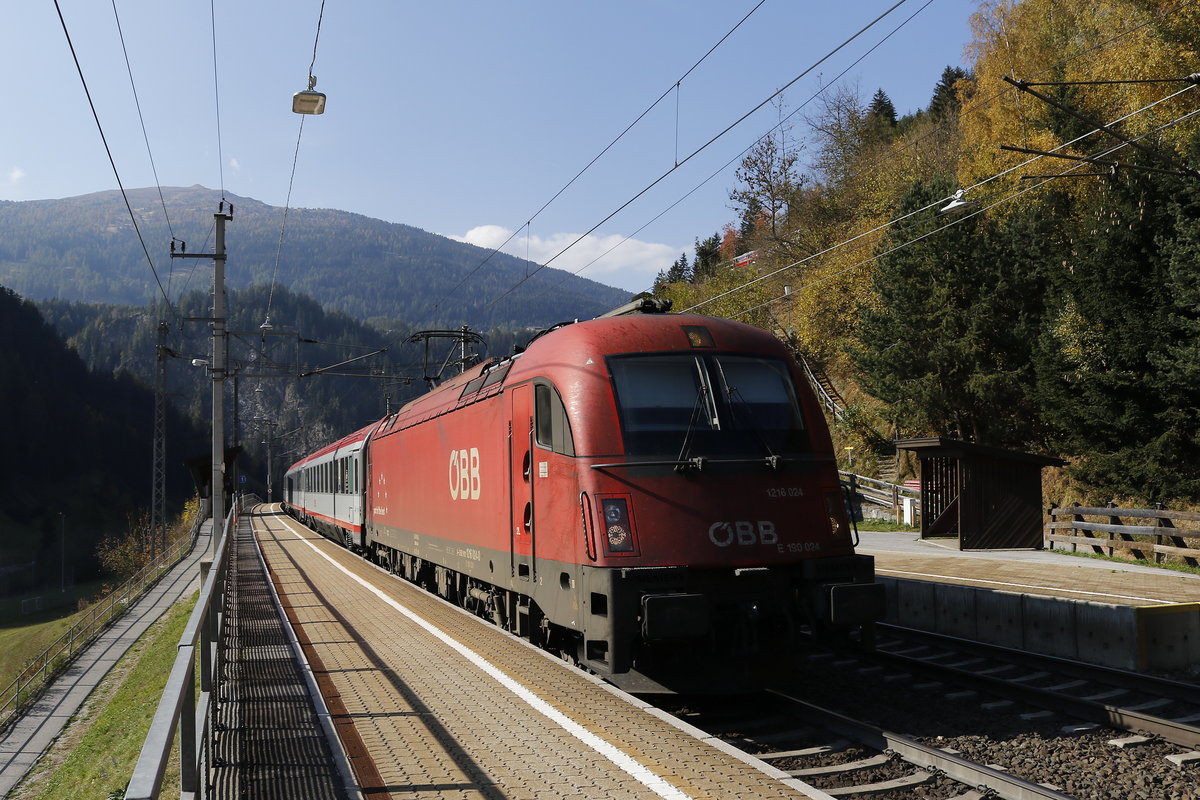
(158, 494)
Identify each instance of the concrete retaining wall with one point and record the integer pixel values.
(1163, 637)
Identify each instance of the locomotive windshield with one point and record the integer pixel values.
(684, 405)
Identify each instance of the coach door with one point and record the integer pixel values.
(521, 530)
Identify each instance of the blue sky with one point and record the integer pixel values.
(461, 118)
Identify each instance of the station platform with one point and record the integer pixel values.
(429, 701)
(1112, 613)
(1035, 572)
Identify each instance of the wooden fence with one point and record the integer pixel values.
(1156, 539)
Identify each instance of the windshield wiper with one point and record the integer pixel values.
(772, 459)
(697, 463)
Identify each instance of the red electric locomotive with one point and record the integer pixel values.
(642, 493)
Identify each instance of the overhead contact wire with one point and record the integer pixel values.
(747, 149)
(974, 107)
(984, 182)
(295, 159)
(698, 150)
(111, 160)
(216, 94)
(142, 120)
(672, 88)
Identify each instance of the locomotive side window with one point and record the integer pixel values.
(686, 405)
(472, 386)
(496, 375)
(553, 431)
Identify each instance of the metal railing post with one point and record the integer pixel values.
(189, 777)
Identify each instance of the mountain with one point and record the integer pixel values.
(266, 394)
(85, 248)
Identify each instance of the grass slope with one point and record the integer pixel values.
(30, 638)
(96, 754)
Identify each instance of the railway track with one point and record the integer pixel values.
(935, 717)
(1155, 706)
(845, 757)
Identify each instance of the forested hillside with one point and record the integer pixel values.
(85, 248)
(78, 461)
(268, 400)
(1055, 307)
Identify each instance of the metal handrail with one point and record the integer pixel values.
(882, 486)
(36, 676)
(827, 401)
(180, 707)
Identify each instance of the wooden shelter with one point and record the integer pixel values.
(987, 497)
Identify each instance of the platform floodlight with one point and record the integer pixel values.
(309, 101)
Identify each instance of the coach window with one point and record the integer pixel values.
(552, 427)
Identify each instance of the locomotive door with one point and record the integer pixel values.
(521, 529)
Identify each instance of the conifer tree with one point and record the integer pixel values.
(881, 114)
(945, 102)
(946, 341)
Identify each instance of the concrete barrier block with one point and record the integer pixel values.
(1049, 625)
(955, 609)
(999, 619)
(1169, 636)
(916, 604)
(1150, 637)
(891, 593)
(1105, 634)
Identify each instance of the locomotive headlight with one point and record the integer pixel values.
(618, 530)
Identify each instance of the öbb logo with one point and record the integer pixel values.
(742, 532)
(464, 474)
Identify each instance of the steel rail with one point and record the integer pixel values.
(1004, 785)
(1180, 733)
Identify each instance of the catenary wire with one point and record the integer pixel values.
(894, 151)
(979, 105)
(973, 108)
(959, 219)
(145, 136)
(111, 160)
(892, 222)
(696, 152)
(212, 9)
(777, 126)
(291, 180)
(673, 87)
